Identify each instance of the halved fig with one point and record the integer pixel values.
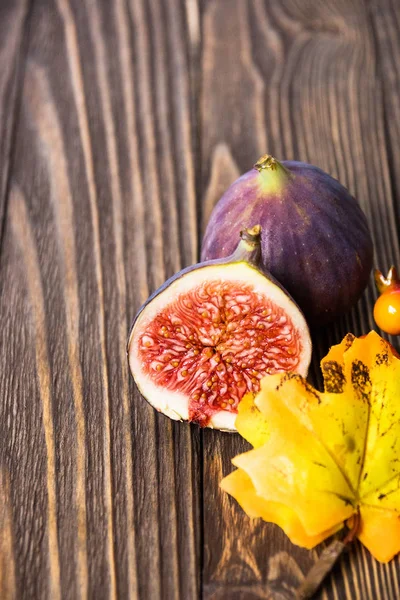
(211, 332)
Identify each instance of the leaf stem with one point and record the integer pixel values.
(326, 561)
(352, 533)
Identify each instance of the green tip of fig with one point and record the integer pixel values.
(266, 162)
(252, 234)
(251, 238)
(273, 176)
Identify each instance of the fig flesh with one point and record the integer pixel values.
(315, 237)
(211, 332)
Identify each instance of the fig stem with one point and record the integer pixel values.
(273, 174)
(252, 235)
(266, 162)
(249, 248)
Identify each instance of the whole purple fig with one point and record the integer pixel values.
(315, 237)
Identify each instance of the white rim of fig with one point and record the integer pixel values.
(173, 404)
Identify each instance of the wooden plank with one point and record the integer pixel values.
(385, 22)
(300, 81)
(13, 25)
(7, 562)
(99, 496)
(102, 495)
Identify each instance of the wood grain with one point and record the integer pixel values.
(14, 27)
(121, 124)
(92, 226)
(23, 234)
(7, 561)
(385, 25)
(300, 82)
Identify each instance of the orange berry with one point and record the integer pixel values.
(387, 311)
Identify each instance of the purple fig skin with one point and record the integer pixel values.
(315, 239)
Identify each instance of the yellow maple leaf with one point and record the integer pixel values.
(320, 458)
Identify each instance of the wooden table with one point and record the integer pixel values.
(121, 123)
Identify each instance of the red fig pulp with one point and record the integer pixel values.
(315, 237)
(211, 333)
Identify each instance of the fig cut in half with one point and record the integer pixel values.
(211, 332)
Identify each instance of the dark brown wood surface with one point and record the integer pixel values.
(121, 123)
